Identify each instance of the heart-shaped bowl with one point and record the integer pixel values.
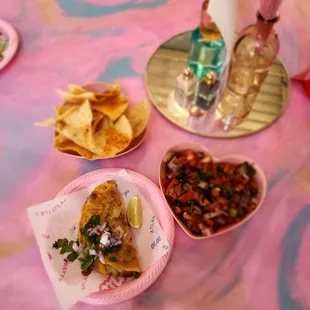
(259, 177)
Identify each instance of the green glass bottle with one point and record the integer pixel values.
(208, 50)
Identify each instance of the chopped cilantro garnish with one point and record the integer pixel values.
(106, 251)
(136, 275)
(112, 259)
(92, 222)
(228, 192)
(87, 262)
(72, 256)
(205, 174)
(66, 247)
(247, 168)
(220, 167)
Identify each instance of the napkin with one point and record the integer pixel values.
(59, 218)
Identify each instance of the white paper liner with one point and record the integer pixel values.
(59, 218)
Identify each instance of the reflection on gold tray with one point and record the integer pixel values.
(170, 59)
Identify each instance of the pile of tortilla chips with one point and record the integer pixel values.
(97, 125)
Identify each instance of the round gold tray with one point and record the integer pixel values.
(170, 59)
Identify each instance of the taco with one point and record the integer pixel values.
(104, 230)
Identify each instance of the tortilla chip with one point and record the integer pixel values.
(77, 127)
(48, 122)
(61, 111)
(76, 90)
(114, 138)
(113, 106)
(115, 142)
(97, 117)
(68, 97)
(63, 144)
(123, 126)
(138, 117)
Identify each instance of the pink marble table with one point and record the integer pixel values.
(264, 265)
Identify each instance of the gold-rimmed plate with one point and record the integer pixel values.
(170, 59)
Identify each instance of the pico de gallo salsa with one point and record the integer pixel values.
(208, 196)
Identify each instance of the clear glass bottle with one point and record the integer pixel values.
(254, 52)
(201, 112)
(208, 47)
(207, 91)
(186, 84)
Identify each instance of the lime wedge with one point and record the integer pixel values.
(2, 46)
(134, 212)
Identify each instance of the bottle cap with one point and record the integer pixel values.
(195, 111)
(188, 74)
(210, 78)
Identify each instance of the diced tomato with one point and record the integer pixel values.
(173, 183)
(222, 201)
(180, 160)
(178, 189)
(177, 210)
(215, 192)
(187, 216)
(206, 202)
(195, 228)
(189, 155)
(172, 194)
(188, 196)
(238, 178)
(196, 218)
(208, 222)
(236, 198)
(186, 209)
(253, 184)
(239, 187)
(228, 168)
(217, 182)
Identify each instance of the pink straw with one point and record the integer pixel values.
(269, 8)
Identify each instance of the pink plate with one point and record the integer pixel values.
(156, 201)
(9, 41)
(234, 159)
(101, 87)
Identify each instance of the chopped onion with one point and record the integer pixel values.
(92, 233)
(174, 167)
(103, 227)
(120, 230)
(105, 239)
(206, 232)
(168, 157)
(92, 252)
(202, 184)
(201, 226)
(245, 176)
(101, 258)
(187, 216)
(211, 215)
